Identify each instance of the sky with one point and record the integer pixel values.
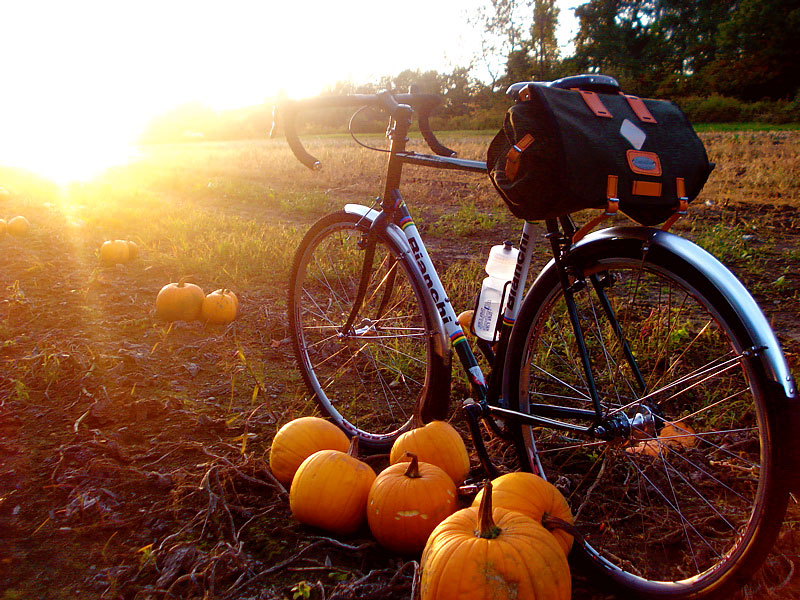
(83, 77)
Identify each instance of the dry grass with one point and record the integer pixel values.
(135, 451)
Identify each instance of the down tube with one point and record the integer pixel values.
(442, 302)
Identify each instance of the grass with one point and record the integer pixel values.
(738, 127)
(76, 337)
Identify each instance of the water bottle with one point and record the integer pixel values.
(500, 270)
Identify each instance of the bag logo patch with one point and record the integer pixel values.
(644, 163)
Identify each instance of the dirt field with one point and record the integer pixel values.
(133, 453)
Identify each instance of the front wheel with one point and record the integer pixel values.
(368, 379)
(680, 497)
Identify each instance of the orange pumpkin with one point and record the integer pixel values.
(114, 252)
(465, 320)
(480, 552)
(299, 439)
(133, 249)
(180, 301)
(534, 497)
(437, 443)
(406, 502)
(672, 437)
(18, 226)
(220, 307)
(330, 490)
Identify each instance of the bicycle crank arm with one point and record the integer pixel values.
(475, 413)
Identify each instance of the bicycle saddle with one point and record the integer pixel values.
(602, 84)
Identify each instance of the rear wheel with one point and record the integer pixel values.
(367, 379)
(680, 497)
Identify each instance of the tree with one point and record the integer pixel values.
(758, 51)
(615, 37)
(523, 33)
(543, 44)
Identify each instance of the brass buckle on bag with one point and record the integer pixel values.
(514, 154)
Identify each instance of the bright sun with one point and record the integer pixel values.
(82, 79)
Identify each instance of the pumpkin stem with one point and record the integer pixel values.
(486, 527)
(183, 280)
(550, 522)
(353, 450)
(413, 467)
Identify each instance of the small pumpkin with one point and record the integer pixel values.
(181, 301)
(406, 502)
(465, 320)
(437, 443)
(300, 438)
(330, 490)
(673, 436)
(220, 307)
(18, 226)
(534, 497)
(481, 552)
(113, 252)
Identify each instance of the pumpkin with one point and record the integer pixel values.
(465, 320)
(133, 249)
(675, 436)
(114, 252)
(299, 439)
(3, 226)
(179, 301)
(534, 497)
(437, 443)
(220, 307)
(330, 490)
(18, 226)
(405, 503)
(481, 552)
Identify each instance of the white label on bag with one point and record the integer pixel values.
(633, 134)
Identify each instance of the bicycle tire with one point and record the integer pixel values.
(663, 518)
(367, 381)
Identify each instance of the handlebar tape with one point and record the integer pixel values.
(430, 138)
(395, 104)
(289, 118)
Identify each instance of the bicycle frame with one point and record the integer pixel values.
(489, 403)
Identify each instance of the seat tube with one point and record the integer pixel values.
(515, 292)
(559, 243)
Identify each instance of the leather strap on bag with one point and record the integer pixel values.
(611, 210)
(683, 204)
(640, 109)
(515, 154)
(594, 103)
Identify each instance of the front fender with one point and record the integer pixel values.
(682, 255)
(436, 398)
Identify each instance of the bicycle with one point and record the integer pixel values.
(636, 372)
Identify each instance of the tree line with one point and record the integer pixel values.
(722, 60)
